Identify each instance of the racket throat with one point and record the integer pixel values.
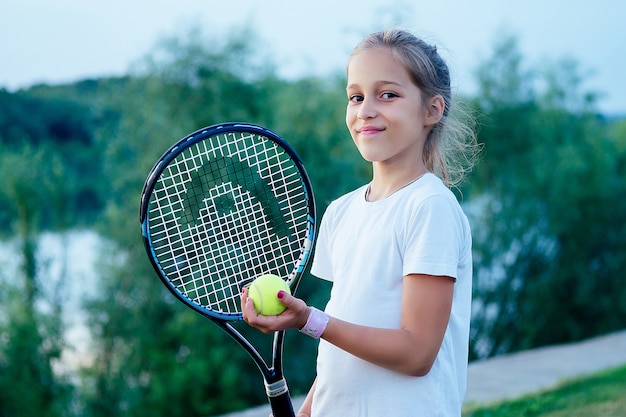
(276, 389)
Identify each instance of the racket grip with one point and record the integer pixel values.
(280, 401)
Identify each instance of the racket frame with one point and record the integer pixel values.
(275, 384)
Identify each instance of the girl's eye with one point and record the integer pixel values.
(388, 95)
(355, 98)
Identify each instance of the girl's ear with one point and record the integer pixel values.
(434, 110)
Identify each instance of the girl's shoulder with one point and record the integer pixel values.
(426, 188)
(429, 198)
(345, 201)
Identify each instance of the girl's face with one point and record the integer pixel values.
(385, 115)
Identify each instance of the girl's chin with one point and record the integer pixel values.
(368, 157)
(371, 156)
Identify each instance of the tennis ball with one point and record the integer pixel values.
(263, 292)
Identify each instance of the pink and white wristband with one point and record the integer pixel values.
(316, 323)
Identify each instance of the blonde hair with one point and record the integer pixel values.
(451, 149)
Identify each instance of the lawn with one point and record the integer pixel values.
(600, 395)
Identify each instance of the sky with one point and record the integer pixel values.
(59, 41)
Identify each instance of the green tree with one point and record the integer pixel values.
(31, 341)
(549, 220)
(46, 171)
(62, 129)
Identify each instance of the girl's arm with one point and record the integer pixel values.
(411, 349)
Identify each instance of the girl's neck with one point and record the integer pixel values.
(385, 184)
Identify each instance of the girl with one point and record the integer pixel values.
(394, 334)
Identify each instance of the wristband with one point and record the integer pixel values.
(316, 323)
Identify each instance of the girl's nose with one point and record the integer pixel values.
(367, 109)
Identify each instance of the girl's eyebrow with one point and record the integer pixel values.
(377, 83)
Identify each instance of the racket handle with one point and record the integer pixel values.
(280, 401)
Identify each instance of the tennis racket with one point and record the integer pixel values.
(222, 206)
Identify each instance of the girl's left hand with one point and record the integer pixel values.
(294, 317)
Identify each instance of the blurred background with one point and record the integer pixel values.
(92, 94)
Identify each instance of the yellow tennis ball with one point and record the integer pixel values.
(264, 294)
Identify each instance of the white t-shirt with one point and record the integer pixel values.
(365, 249)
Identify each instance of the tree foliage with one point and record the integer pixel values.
(31, 341)
(550, 218)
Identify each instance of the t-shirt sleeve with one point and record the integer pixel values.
(433, 237)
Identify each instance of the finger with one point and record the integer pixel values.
(243, 296)
(248, 309)
(242, 299)
(292, 303)
(247, 306)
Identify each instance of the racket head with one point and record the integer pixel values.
(222, 206)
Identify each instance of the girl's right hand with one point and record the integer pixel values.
(294, 317)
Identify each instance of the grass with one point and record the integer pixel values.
(600, 395)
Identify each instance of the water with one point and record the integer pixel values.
(66, 273)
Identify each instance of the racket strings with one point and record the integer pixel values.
(225, 210)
